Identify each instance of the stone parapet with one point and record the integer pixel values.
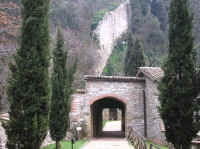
(113, 78)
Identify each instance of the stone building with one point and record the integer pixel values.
(137, 97)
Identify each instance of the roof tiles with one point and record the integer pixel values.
(154, 73)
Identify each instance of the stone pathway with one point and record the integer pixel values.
(108, 143)
(112, 126)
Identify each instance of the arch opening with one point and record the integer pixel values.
(115, 109)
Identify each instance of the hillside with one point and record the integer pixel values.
(10, 21)
(79, 18)
(76, 17)
(150, 24)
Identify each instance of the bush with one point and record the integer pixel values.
(97, 18)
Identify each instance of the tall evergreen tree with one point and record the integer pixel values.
(178, 88)
(62, 79)
(134, 57)
(28, 85)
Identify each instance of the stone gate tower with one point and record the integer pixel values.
(136, 97)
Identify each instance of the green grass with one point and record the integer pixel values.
(148, 142)
(66, 145)
(104, 123)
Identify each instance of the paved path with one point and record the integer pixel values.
(108, 143)
(112, 126)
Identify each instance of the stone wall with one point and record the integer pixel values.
(153, 117)
(109, 30)
(132, 93)
(2, 136)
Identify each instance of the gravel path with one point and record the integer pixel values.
(109, 143)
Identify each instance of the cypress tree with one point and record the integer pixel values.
(134, 57)
(57, 123)
(28, 84)
(178, 87)
(62, 79)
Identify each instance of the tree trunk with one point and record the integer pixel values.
(182, 146)
(57, 145)
(186, 146)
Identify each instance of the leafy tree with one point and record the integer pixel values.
(28, 85)
(108, 70)
(61, 90)
(134, 57)
(115, 65)
(178, 88)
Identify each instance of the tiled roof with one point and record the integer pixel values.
(154, 73)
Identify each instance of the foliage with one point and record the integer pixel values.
(113, 6)
(115, 64)
(104, 123)
(179, 86)
(58, 115)
(155, 37)
(150, 25)
(134, 57)
(101, 13)
(97, 18)
(159, 10)
(63, 14)
(148, 142)
(66, 145)
(144, 6)
(28, 85)
(108, 70)
(136, 17)
(155, 57)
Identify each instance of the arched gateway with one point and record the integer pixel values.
(135, 97)
(97, 106)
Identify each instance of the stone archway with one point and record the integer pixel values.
(97, 106)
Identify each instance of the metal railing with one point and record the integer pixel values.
(138, 141)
